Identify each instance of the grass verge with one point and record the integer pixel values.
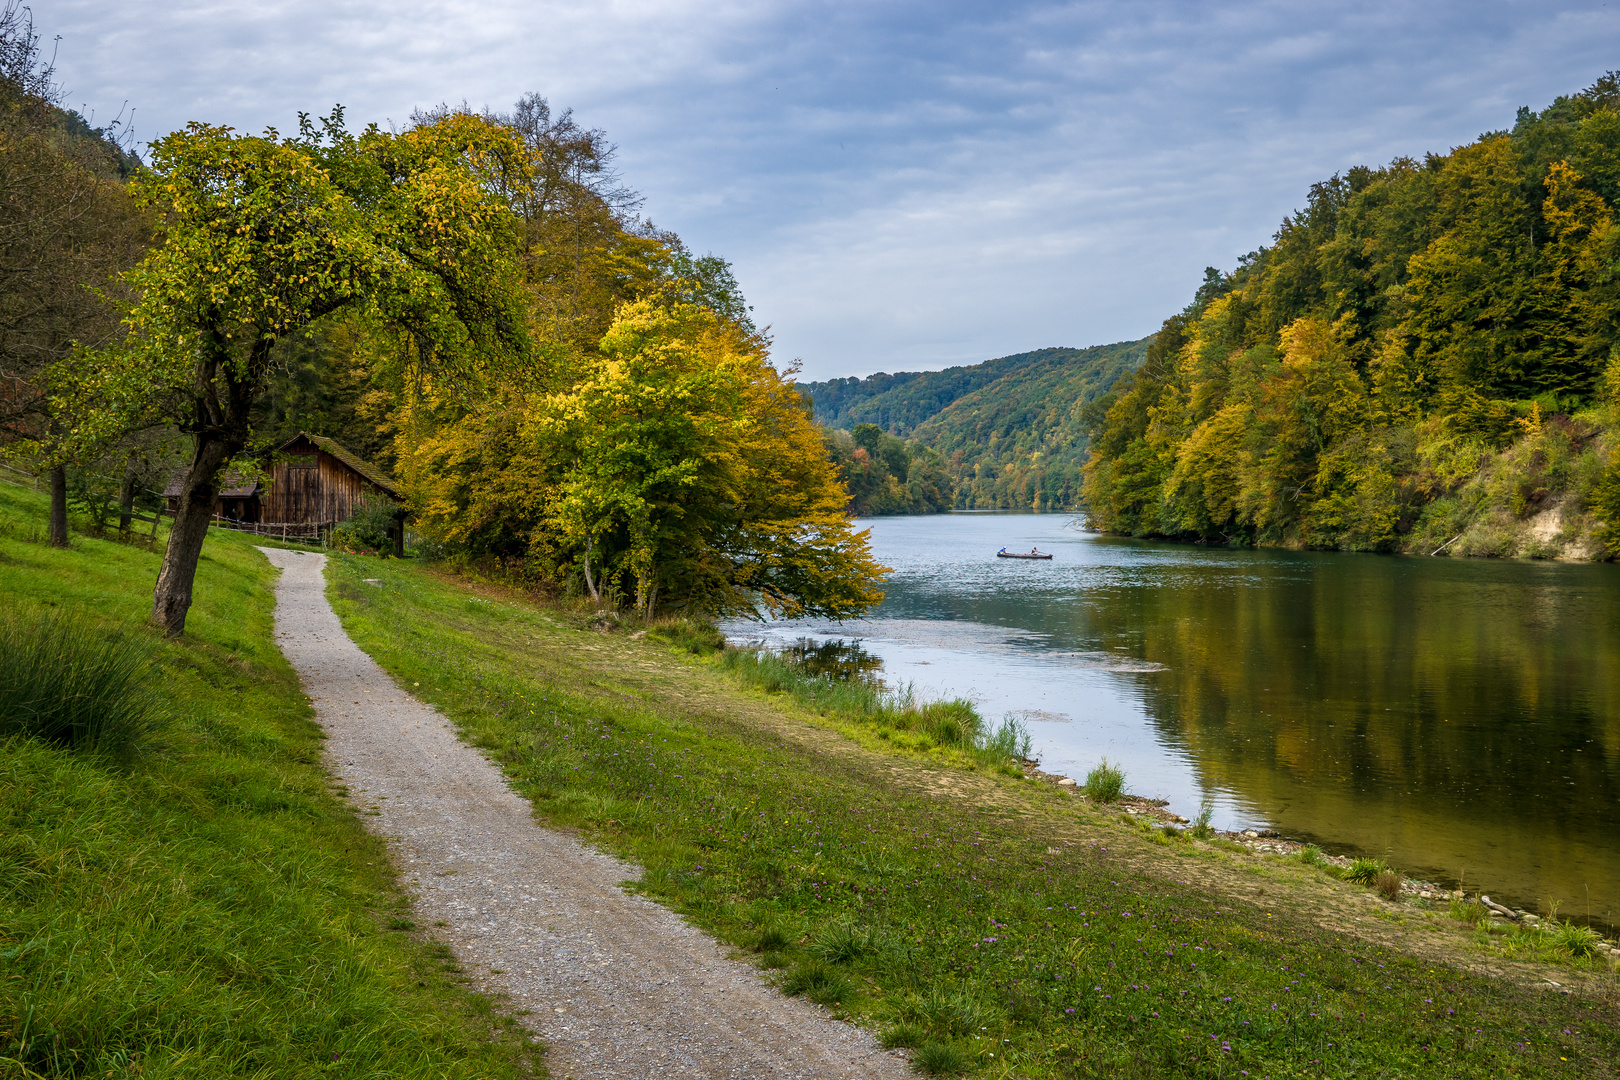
(994, 937)
(900, 717)
(205, 904)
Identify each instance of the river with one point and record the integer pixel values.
(1460, 718)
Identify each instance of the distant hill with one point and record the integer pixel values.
(1010, 430)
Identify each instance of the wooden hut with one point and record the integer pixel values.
(315, 481)
(237, 501)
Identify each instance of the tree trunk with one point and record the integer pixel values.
(590, 582)
(59, 526)
(198, 494)
(126, 496)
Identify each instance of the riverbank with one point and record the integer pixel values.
(988, 921)
(1533, 500)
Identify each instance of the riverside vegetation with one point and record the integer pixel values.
(183, 893)
(988, 923)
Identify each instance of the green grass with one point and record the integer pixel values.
(951, 727)
(978, 917)
(207, 906)
(69, 682)
(1105, 783)
(1365, 871)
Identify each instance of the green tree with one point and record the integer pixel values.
(691, 455)
(67, 227)
(264, 236)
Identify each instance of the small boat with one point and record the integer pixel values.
(1005, 554)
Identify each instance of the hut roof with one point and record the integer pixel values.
(230, 488)
(351, 459)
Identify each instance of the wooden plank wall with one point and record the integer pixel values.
(327, 493)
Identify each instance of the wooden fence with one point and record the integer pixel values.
(284, 530)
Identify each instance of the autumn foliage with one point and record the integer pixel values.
(1346, 386)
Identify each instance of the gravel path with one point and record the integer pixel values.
(616, 985)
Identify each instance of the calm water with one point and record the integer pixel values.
(1460, 717)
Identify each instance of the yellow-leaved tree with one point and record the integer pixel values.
(681, 469)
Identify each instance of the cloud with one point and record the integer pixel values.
(899, 184)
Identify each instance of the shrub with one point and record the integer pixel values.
(1311, 855)
(1009, 742)
(1365, 871)
(819, 982)
(432, 548)
(370, 531)
(848, 690)
(951, 723)
(1575, 940)
(688, 635)
(63, 681)
(939, 1059)
(1201, 827)
(1105, 783)
(951, 1013)
(1606, 506)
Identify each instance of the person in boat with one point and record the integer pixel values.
(1003, 551)
(1034, 551)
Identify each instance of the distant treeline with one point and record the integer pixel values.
(1426, 351)
(887, 475)
(1008, 434)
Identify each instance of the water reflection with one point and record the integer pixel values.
(836, 658)
(1460, 717)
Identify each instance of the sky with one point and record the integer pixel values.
(899, 186)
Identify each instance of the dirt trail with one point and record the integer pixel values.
(616, 985)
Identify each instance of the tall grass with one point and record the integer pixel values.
(1365, 871)
(900, 715)
(1105, 783)
(69, 683)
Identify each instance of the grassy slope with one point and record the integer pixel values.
(212, 908)
(989, 915)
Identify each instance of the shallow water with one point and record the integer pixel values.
(1459, 717)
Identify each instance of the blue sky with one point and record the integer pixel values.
(899, 185)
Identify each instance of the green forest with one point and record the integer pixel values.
(1009, 434)
(1424, 359)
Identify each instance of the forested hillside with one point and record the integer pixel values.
(886, 474)
(898, 403)
(1010, 433)
(1423, 359)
